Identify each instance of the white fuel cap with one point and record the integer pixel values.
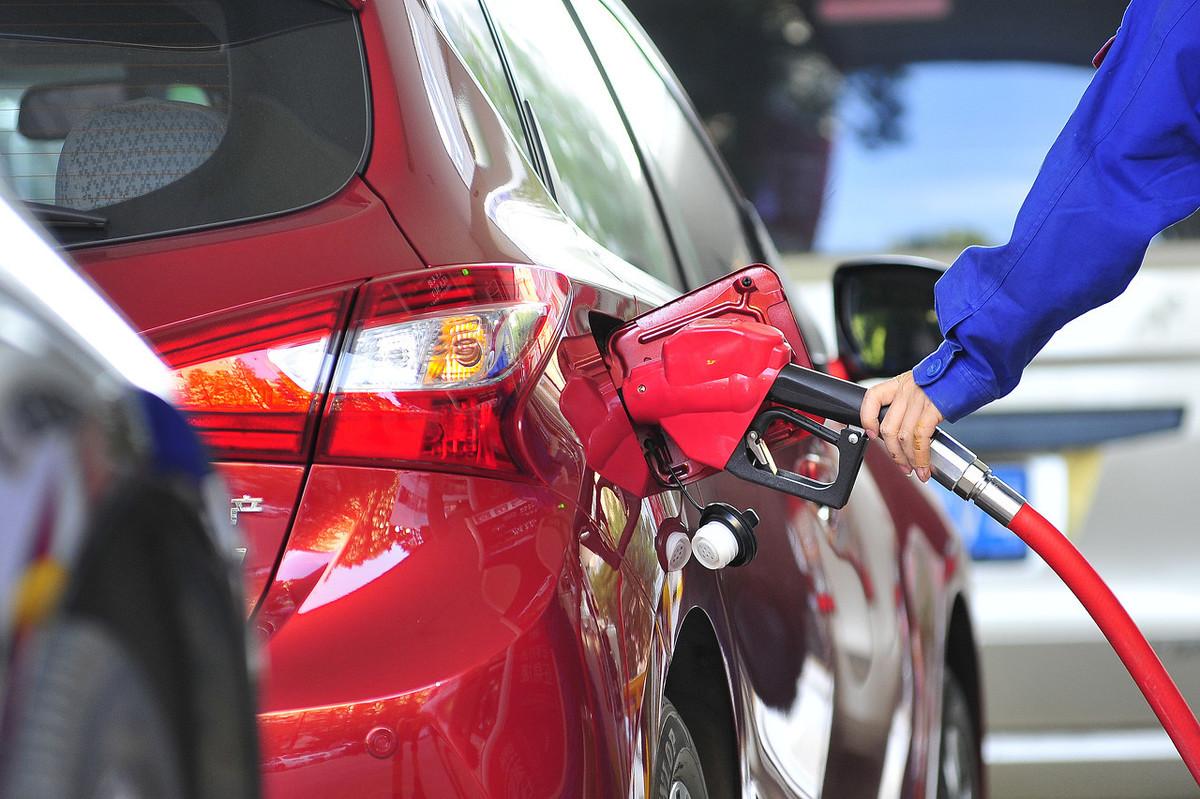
(678, 550)
(715, 545)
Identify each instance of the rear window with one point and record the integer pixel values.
(123, 119)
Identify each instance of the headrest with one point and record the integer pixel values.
(129, 149)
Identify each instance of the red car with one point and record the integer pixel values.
(373, 240)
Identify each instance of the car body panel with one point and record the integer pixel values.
(347, 238)
(262, 498)
(502, 213)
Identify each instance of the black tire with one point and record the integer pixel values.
(677, 771)
(86, 723)
(958, 764)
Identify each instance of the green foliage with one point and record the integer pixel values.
(953, 239)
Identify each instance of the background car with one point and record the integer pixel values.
(124, 669)
(373, 241)
(917, 128)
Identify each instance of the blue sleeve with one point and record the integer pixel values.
(1126, 166)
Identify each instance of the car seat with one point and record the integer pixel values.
(129, 149)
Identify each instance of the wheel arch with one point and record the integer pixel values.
(962, 659)
(698, 684)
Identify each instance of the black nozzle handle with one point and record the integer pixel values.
(818, 393)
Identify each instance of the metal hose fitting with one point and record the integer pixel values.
(960, 470)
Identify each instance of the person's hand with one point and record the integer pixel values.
(909, 424)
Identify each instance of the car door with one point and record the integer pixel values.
(842, 565)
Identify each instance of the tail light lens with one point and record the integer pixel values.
(429, 374)
(251, 381)
(434, 365)
(455, 351)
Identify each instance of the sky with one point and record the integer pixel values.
(976, 134)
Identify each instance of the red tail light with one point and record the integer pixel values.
(429, 374)
(251, 382)
(434, 365)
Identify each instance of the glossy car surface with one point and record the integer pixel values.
(451, 602)
(112, 563)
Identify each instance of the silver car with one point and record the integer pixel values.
(124, 669)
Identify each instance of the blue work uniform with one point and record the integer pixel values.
(1126, 166)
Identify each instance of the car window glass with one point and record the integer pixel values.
(131, 119)
(598, 178)
(463, 23)
(703, 213)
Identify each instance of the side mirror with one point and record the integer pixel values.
(883, 308)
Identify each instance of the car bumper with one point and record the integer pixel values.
(425, 638)
(1098, 764)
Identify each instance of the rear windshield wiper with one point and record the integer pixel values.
(61, 216)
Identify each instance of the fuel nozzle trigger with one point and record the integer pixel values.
(753, 461)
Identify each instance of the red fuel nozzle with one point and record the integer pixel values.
(710, 381)
(722, 342)
(713, 379)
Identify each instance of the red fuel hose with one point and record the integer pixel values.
(1124, 636)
